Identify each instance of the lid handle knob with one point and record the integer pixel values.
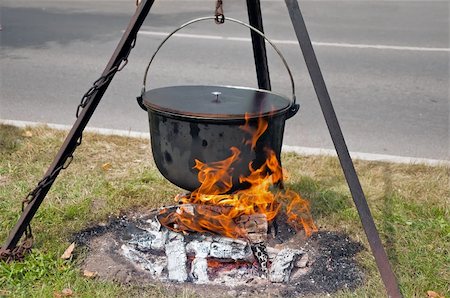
(216, 94)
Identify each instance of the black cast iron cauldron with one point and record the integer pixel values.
(204, 122)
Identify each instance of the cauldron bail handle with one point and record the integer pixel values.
(294, 106)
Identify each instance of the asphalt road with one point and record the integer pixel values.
(386, 65)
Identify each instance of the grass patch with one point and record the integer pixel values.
(409, 204)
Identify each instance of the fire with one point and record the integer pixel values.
(210, 208)
(262, 126)
(220, 264)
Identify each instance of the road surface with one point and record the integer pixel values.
(386, 65)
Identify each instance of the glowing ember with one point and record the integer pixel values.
(221, 209)
(219, 264)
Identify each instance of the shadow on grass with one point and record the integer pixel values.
(387, 211)
(325, 201)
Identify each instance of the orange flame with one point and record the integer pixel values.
(262, 126)
(216, 211)
(216, 178)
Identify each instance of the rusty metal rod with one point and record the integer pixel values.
(70, 142)
(354, 184)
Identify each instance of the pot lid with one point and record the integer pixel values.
(215, 102)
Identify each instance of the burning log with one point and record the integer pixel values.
(231, 249)
(205, 258)
(255, 227)
(196, 244)
(245, 212)
(150, 240)
(199, 218)
(192, 218)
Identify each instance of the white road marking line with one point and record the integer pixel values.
(308, 151)
(294, 42)
(367, 156)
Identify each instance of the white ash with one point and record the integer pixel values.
(302, 262)
(272, 252)
(154, 224)
(301, 267)
(150, 240)
(199, 266)
(199, 270)
(176, 257)
(200, 248)
(183, 257)
(282, 265)
(153, 264)
(236, 277)
(228, 248)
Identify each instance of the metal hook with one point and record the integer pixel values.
(220, 17)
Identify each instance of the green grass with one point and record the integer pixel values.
(409, 204)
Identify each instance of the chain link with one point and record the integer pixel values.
(18, 253)
(24, 247)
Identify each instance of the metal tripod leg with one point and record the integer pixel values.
(259, 46)
(359, 199)
(75, 133)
